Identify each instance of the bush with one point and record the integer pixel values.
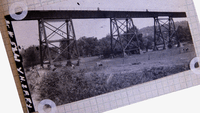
(68, 86)
(31, 57)
(120, 81)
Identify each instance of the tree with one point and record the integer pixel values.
(184, 34)
(31, 56)
(88, 46)
(105, 46)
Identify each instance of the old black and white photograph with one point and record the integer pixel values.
(74, 50)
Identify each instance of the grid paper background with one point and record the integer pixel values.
(118, 98)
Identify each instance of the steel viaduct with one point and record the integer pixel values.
(122, 30)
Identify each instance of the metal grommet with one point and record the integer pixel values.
(18, 16)
(47, 102)
(192, 65)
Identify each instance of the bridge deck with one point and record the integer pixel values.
(63, 14)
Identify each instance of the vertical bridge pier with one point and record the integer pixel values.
(165, 33)
(58, 43)
(123, 36)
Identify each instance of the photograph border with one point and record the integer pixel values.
(184, 81)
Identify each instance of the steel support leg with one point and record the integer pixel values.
(123, 36)
(50, 36)
(155, 37)
(68, 42)
(44, 42)
(173, 38)
(111, 35)
(41, 43)
(165, 33)
(158, 35)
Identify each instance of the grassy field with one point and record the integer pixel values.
(65, 85)
(136, 63)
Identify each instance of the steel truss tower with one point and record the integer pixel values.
(123, 36)
(57, 42)
(165, 33)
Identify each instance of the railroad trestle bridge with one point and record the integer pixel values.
(122, 30)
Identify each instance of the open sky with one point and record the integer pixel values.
(27, 31)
